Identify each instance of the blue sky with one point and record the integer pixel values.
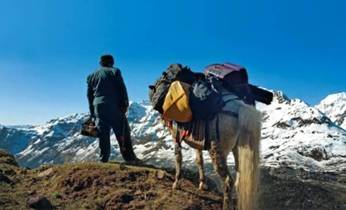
(47, 48)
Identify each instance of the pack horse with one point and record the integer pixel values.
(236, 125)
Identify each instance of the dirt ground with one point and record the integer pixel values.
(117, 186)
(99, 186)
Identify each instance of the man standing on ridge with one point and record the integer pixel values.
(108, 104)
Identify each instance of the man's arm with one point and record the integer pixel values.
(90, 94)
(124, 100)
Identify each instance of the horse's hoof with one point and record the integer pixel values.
(175, 186)
(202, 186)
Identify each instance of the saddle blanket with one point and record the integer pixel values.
(199, 133)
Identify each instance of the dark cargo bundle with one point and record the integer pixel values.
(158, 91)
(261, 95)
(235, 79)
(205, 101)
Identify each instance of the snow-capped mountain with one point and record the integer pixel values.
(15, 140)
(334, 106)
(59, 140)
(300, 136)
(294, 134)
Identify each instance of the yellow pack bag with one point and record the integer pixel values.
(176, 105)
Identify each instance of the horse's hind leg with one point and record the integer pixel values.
(220, 166)
(178, 162)
(236, 165)
(199, 162)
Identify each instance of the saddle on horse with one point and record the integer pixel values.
(190, 102)
(199, 133)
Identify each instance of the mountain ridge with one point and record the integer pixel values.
(294, 134)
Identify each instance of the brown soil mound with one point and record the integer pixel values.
(104, 186)
(116, 186)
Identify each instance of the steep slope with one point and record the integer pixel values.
(334, 106)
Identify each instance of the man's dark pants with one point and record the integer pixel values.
(108, 117)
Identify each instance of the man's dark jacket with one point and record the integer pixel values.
(106, 86)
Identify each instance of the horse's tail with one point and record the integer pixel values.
(248, 156)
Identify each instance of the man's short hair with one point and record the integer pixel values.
(107, 60)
